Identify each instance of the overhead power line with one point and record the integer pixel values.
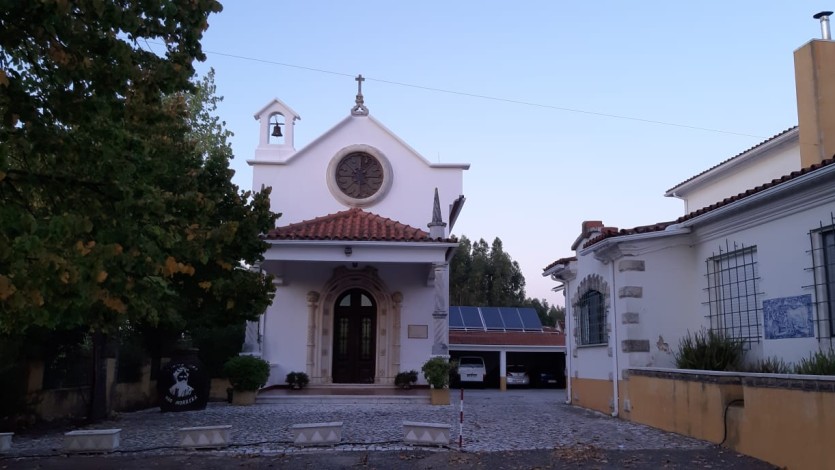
(487, 97)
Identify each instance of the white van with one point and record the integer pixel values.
(471, 369)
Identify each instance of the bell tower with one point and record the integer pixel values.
(277, 121)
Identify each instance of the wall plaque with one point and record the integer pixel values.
(419, 331)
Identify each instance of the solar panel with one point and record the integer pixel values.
(511, 318)
(492, 318)
(455, 320)
(530, 319)
(472, 319)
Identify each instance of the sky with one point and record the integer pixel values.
(566, 111)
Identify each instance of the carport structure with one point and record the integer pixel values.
(507, 335)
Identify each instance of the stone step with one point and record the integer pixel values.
(265, 398)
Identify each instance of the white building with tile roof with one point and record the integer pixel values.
(753, 258)
(360, 256)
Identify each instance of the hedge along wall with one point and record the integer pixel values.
(786, 420)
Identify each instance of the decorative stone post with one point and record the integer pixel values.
(440, 346)
(312, 306)
(397, 299)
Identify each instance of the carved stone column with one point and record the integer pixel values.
(312, 306)
(397, 298)
(440, 346)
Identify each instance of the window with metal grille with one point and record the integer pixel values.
(733, 293)
(592, 318)
(823, 269)
(828, 242)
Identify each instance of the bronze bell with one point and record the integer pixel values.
(277, 130)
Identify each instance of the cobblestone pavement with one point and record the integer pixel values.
(493, 421)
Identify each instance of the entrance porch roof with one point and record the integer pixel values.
(355, 235)
(353, 225)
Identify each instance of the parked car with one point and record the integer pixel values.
(547, 379)
(518, 375)
(471, 369)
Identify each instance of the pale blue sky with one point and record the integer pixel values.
(539, 169)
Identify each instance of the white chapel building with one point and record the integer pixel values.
(360, 256)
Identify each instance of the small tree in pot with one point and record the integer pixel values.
(436, 372)
(246, 374)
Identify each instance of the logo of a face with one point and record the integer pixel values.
(181, 388)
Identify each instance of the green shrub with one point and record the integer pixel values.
(436, 372)
(406, 379)
(297, 379)
(247, 372)
(771, 365)
(819, 363)
(709, 350)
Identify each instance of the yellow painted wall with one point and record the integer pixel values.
(787, 427)
(685, 407)
(790, 428)
(594, 394)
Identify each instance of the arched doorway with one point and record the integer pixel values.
(354, 337)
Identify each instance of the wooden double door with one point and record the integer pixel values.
(354, 338)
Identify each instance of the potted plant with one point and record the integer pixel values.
(246, 374)
(436, 372)
(297, 380)
(405, 380)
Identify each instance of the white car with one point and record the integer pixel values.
(471, 369)
(518, 375)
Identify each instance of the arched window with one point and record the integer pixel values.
(592, 318)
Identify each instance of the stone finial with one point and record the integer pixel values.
(359, 108)
(437, 226)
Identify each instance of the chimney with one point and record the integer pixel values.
(814, 73)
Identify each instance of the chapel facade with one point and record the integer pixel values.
(360, 254)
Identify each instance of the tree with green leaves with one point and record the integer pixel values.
(487, 276)
(482, 275)
(116, 202)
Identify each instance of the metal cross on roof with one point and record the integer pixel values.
(359, 109)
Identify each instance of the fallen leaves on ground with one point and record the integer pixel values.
(579, 453)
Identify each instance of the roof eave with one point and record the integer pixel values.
(682, 188)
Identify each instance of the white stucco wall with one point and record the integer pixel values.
(783, 257)
(591, 361)
(674, 284)
(305, 175)
(286, 321)
(775, 163)
(669, 306)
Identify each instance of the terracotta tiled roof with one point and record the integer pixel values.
(512, 338)
(353, 224)
(755, 190)
(610, 232)
(735, 157)
(560, 261)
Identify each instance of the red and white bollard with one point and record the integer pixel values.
(461, 421)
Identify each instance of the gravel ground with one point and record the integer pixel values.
(513, 429)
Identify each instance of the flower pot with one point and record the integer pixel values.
(243, 397)
(439, 396)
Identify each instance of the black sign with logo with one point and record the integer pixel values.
(182, 384)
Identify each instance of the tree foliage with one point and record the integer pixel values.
(116, 201)
(482, 275)
(487, 276)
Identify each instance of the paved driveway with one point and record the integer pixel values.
(493, 421)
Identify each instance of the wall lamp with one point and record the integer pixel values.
(348, 251)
